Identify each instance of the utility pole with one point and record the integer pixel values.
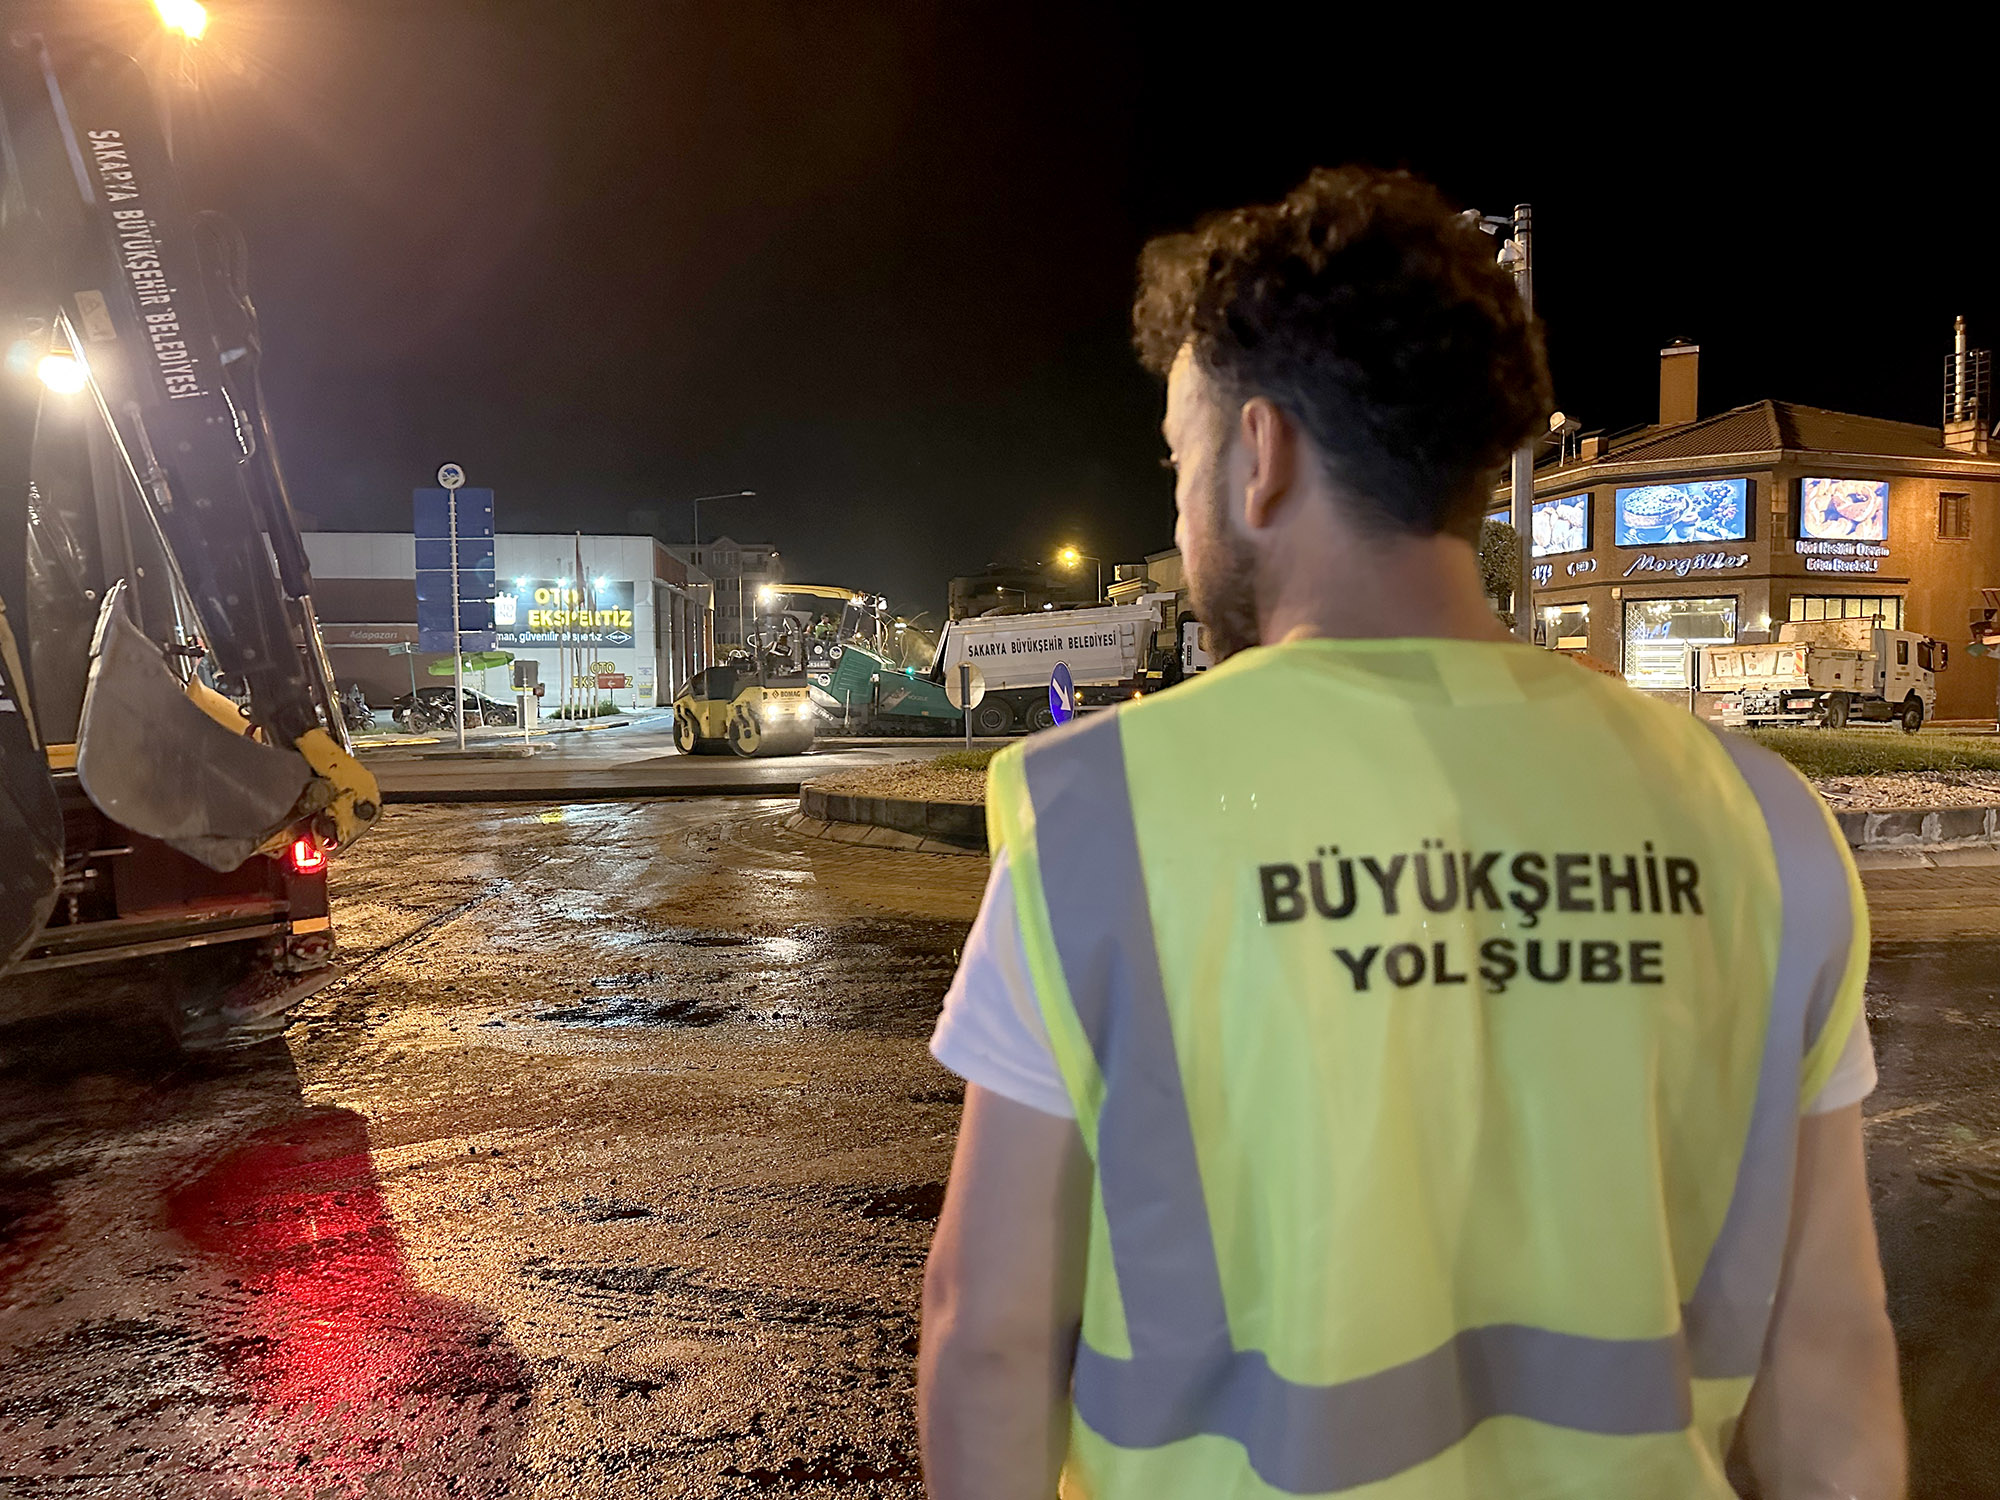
(1524, 456)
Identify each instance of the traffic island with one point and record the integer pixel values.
(935, 806)
(939, 806)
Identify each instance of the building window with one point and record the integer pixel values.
(1566, 627)
(1662, 634)
(1849, 607)
(1954, 516)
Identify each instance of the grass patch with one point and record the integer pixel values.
(962, 760)
(1823, 753)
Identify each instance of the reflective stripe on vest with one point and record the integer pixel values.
(1186, 1378)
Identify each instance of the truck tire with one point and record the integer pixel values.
(1911, 714)
(1836, 711)
(991, 717)
(1041, 717)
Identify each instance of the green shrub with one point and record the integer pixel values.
(1823, 753)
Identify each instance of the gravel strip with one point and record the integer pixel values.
(1891, 789)
(912, 780)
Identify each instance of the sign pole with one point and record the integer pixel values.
(457, 640)
(965, 696)
(451, 476)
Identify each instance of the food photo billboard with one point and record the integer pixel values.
(1844, 510)
(1665, 515)
(1561, 526)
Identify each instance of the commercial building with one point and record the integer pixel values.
(737, 570)
(1693, 531)
(635, 610)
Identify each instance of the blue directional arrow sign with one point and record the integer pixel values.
(1062, 694)
(438, 579)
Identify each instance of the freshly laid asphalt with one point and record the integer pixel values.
(635, 759)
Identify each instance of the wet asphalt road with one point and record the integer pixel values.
(610, 1166)
(609, 1171)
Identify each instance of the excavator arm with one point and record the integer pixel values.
(101, 260)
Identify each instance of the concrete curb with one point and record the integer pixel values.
(873, 836)
(576, 794)
(1929, 829)
(1909, 837)
(961, 825)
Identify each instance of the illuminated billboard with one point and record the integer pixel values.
(554, 612)
(1560, 525)
(1844, 510)
(1702, 510)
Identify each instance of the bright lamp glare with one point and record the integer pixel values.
(1069, 557)
(61, 373)
(188, 17)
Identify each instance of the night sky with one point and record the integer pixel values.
(874, 260)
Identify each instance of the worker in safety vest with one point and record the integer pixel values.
(1399, 1062)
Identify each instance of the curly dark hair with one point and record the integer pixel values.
(1375, 316)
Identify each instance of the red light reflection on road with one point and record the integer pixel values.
(327, 1313)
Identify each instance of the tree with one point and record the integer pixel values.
(1499, 565)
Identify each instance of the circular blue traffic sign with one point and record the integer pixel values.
(451, 476)
(1062, 694)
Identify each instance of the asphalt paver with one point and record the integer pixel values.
(609, 1167)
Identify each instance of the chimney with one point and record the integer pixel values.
(1967, 383)
(1680, 366)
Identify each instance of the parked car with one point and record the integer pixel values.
(430, 708)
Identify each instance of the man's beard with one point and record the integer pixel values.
(1224, 586)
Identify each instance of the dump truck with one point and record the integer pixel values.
(871, 673)
(175, 769)
(1109, 650)
(1830, 673)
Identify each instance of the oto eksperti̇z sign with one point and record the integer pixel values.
(559, 612)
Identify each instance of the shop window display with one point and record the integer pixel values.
(1660, 634)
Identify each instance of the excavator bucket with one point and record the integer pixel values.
(155, 762)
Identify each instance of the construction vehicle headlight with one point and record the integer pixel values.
(62, 373)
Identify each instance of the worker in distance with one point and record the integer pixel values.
(1399, 1062)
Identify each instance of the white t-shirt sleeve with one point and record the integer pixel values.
(991, 1032)
(1853, 1077)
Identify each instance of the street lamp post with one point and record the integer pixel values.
(694, 546)
(1069, 557)
(1516, 253)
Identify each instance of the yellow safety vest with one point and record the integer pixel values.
(1437, 1016)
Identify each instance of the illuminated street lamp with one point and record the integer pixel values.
(1069, 557)
(62, 373)
(188, 17)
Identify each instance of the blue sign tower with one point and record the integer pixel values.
(468, 575)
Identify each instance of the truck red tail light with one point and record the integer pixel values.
(305, 857)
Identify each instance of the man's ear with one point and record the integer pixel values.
(1271, 446)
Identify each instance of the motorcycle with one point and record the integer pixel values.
(355, 712)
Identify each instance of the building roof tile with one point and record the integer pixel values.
(1764, 426)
